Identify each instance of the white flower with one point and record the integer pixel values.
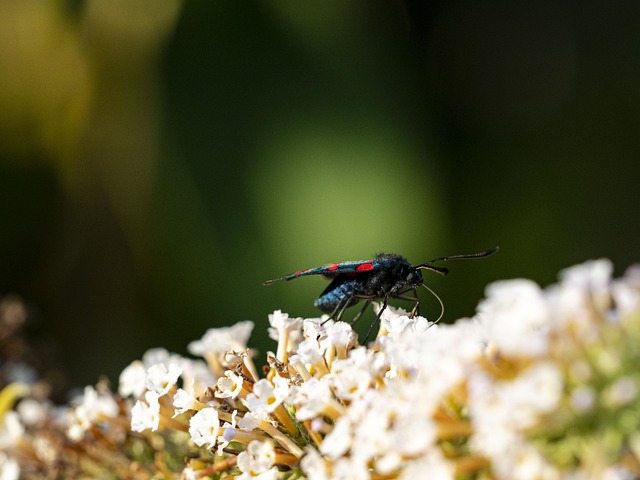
(581, 288)
(190, 473)
(222, 340)
(388, 462)
(432, 466)
(97, 405)
(516, 316)
(349, 468)
(312, 398)
(338, 442)
(522, 461)
(626, 292)
(314, 465)
(256, 462)
(309, 351)
(313, 328)
(494, 430)
(228, 386)
(11, 430)
(583, 399)
(438, 358)
(502, 410)
(539, 388)
(624, 390)
(196, 373)
(157, 355)
(352, 376)
(350, 383)
(285, 330)
(46, 449)
(204, 427)
(228, 433)
(33, 412)
(337, 334)
(372, 430)
(395, 324)
(90, 408)
(592, 276)
(184, 400)
(618, 472)
(132, 380)
(626, 298)
(161, 379)
(413, 431)
(9, 468)
(250, 421)
(145, 414)
(266, 397)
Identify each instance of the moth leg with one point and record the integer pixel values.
(416, 308)
(384, 306)
(337, 312)
(346, 302)
(333, 313)
(357, 317)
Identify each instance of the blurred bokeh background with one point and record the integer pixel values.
(159, 160)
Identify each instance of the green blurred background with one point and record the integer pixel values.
(160, 159)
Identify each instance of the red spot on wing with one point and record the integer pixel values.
(332, 267)
(364, 267)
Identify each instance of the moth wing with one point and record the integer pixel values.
(331, 270)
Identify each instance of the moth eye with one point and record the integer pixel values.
(414, 276)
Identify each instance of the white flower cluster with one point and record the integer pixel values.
(540, 384)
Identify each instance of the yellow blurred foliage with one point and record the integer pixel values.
(45, 86)
(66, 73)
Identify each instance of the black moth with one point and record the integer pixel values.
(387, 276)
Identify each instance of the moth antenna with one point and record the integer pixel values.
(440, 270)
(439, 301)
(427, 265)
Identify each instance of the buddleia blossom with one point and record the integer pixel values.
(204, 427)
(185, 400)
(517, 317)
(222, 340)
(257, 461)
(229, 386)
(132, 381)
(541, 383)
(314, 398)
(90, 409)
(161, 378)
(145, 414)
(267, 395)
